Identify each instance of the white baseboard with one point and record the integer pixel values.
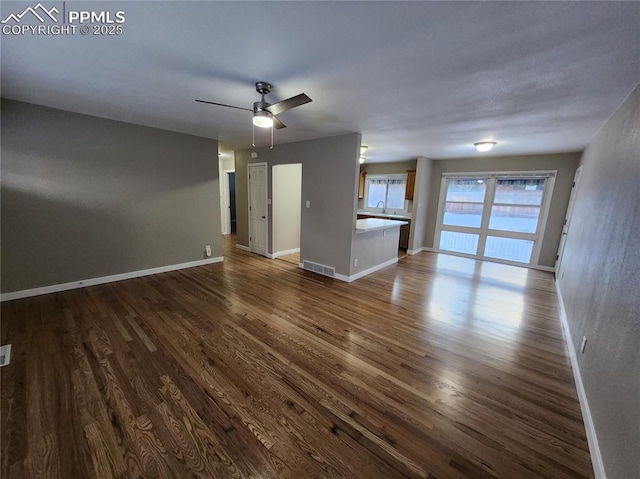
(349, 279)
(592, 438)
(361, 274)
(55, 288)
(277, 254)
(411, 252)
(243, 247)
(550, 269)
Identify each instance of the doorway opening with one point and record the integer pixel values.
(286, 211)
(231, 191)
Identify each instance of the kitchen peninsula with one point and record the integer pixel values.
(374, 246)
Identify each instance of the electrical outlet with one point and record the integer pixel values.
(207, 250)
(584, 344)
(355, 262)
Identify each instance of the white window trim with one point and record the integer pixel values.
(394, 176)
(484, 230)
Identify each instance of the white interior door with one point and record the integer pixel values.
(258, 208)
(567, 222)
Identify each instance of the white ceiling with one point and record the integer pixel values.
(416, 78)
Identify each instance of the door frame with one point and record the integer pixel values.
(567, 221)
(274, 211)
(265, 165)
(226, 198)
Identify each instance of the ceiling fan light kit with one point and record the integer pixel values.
(262, 119)
(485, 145)
(264, 113)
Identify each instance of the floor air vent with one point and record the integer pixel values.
(5, 354)
(319, 268)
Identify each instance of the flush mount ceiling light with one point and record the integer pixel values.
(485, 145)
(262, 119)
(363, 148)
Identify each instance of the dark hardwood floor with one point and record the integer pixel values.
(439, 367)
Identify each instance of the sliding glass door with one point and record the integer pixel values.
(494, 216)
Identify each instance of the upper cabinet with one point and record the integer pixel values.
(361, 183)
(411, 184)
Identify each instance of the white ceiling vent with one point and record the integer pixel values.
(319, 268)
(5, 355)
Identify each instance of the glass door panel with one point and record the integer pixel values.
(519, 191)
(466, 190)
(520, 219)
(509, 249)
(459, 242)
(463, 214)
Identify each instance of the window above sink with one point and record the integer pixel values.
(386, 193)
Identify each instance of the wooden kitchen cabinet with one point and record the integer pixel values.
(411, 184)
(361, 184)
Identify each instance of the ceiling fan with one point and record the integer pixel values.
(264, 113)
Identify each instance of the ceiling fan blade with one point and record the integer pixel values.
(289, 103)
(277, 124)
(222, 104)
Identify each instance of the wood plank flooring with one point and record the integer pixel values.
(439, 367)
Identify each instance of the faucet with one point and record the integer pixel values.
(383, 207)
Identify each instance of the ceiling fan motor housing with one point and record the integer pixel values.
(263, 87)
(260, 106)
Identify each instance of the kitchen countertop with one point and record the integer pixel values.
(401, 216)
(372, 224)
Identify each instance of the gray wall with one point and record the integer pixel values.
(329, 182)
(374, 248)
(601, 286)
(421, 196)
(564, 163)
(84, 197)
